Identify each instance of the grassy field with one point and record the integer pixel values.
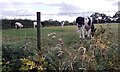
(101, 52)
(69, 35)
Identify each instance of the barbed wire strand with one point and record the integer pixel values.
(67, 13)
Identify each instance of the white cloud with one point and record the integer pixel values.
(14, 8)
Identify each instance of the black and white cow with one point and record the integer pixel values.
(35, 24)
(85, 24)
(18, 24)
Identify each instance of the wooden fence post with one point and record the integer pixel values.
(38, 31)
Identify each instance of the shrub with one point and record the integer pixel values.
(98, 53)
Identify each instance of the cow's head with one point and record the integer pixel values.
(21, 25)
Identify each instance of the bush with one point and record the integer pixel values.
(98, 53)
(11, 56)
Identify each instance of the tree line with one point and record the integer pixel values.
(10, 23)
(97, 18)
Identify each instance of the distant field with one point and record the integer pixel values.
(69, 34)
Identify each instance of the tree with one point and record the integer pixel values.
(66, 23)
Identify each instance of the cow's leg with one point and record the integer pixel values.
(79, 30)
(92, 36)
(86, 32)
(16, 26)
(82, 32)
(34, 25)
(89, 33)
(62, 26)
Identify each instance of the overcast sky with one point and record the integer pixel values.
(18, 8)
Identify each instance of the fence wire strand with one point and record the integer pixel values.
(70, 13)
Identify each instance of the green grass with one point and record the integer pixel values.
(17, 37)
(69, 34)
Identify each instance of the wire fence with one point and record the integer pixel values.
(70, 13)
